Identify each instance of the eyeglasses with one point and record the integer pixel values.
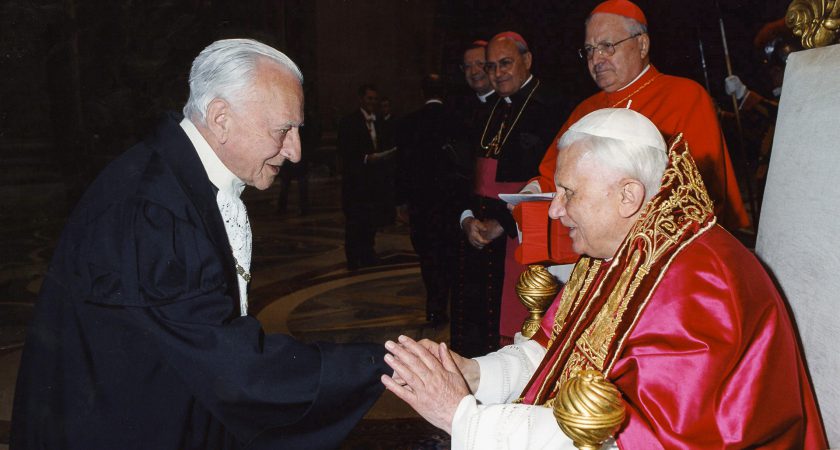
(466, 67)
(504, 65)
(603, 48)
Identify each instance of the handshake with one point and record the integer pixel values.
(430, 378)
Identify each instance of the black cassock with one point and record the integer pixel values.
(137, 340)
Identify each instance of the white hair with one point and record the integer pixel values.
(226, 69)
(634, 160)
(632, 26)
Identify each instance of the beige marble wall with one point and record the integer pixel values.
(799, 232)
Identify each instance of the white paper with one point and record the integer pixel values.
(515, 199)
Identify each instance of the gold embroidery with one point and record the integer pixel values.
(575, 290)
(594, 343)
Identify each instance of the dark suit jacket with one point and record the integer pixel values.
(365, 187)
(137, 340)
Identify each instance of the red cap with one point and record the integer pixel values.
(513, 36)
(624, 8)
(479, 43)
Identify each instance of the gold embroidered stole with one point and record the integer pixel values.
(599, 307)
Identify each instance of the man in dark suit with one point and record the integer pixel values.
(426, 184)
(364, 199)
(141, 337)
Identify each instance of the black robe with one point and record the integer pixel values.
(137, 341)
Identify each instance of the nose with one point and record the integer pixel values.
(597, 57)
(557, 208)
(291, 145)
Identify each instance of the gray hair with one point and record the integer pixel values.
(226, 69)
(638, 161)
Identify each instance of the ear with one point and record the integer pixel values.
(527, 58)
(644, 45)
(218, 119)
(631, 197)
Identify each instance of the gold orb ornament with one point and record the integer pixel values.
(589, 409)
(536, 289)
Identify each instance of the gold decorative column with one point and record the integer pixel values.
(816, 22)
(536, 289)
(589, 409)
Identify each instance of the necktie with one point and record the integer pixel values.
(238, 229)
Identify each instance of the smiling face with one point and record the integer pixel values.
(507, 68)
(588, 202)
(261, 130)
(614, 72)
(474, 71)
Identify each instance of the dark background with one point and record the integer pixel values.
(83, 79)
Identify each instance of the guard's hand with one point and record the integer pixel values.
(433, 384)
(734, 85)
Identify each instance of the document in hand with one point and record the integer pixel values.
(515, 199)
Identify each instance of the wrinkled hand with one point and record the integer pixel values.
(431, 384)
(492, 230)
(734, 86)
(469, 367)
(475, 229)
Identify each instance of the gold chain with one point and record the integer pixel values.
(615, 105)
(242, 272)
(494, 143)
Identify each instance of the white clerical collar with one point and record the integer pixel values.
(219, 174)
(483, 97)
(637, 77)
(367, 116)
(507, 99)
(434, 100)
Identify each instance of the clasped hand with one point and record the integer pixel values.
(481, 233)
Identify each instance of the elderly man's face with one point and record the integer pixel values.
(612, 73)
(263, 131)
(474, 71)
(587, 202)
(507, 68)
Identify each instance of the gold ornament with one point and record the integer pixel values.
(589, 409)
(816, 22)
(536, 289)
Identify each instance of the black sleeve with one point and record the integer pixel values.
(263, 388)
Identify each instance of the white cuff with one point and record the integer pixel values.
(464, 215)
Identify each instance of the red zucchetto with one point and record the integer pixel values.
(624, 8)
(513, 36)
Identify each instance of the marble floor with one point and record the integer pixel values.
(300, 286)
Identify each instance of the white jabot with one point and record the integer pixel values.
(231, 207)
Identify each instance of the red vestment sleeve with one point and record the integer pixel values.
(713, 361)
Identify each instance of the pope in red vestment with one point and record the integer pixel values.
(666, 304)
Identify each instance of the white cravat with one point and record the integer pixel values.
(238, 229)
(233, 212)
